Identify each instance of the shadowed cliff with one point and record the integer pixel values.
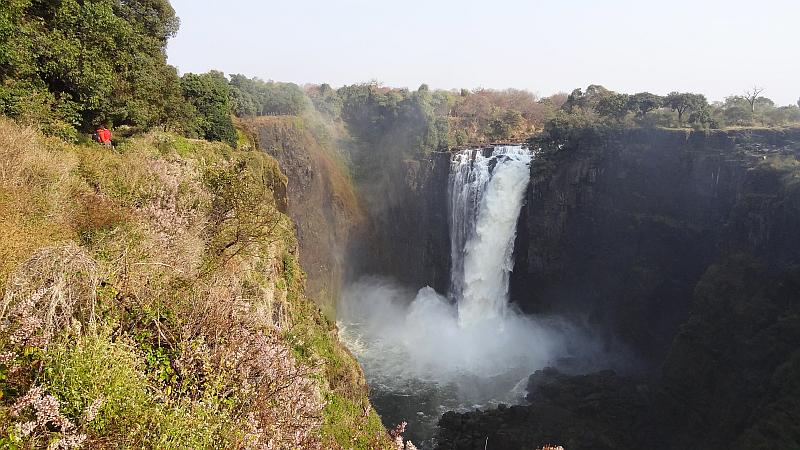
(321, 198)
(683, 248)
(619, 228)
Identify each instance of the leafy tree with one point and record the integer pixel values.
(737, 115)
(644, 102)
(71, 63)
(443, 102)
(683, 102)
(589, 99)
(504, 126)
(209, 94)
(782, 116)
(701, 118)
(270, 98)
(576, 99)
(243, 103)
(763, 103)
(326, 100)
(612, 105)
(568, 129)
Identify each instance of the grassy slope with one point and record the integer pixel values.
(174, 293)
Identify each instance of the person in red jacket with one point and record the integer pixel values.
(104, 136)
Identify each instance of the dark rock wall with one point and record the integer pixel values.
(406, 234)
(686, 246)
(617, 232)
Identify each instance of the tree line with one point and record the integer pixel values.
(71, 65)
(678, 109)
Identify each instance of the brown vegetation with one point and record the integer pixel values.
(161, 278)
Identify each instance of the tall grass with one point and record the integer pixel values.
(154, 289)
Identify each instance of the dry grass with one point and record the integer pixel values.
(54, 288)
(35, 186)
(121, 240)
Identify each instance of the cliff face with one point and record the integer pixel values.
(406, 235)
(684, 247)
(321, 200)
(395, 226)
(618, 231)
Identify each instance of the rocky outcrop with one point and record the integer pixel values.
(321, 200)
(618, 230)
(598, 411)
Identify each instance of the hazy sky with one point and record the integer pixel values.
(715, 47)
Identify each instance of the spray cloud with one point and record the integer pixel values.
(472, 342)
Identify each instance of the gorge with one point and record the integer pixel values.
(465, 347)
(626, 245)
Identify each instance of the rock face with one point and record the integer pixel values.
(685, 248)
(321, 200)
(618, 230)
(599, 411)
(406, 235)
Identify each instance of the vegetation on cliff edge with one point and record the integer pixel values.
(152, 297)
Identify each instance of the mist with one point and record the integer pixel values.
(471, 341)
(399, 336)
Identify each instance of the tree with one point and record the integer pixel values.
(504, 126)
(209, 93)
(737, 115)
(644, 102)
(701, 118)
(269, 97)
(77, 63)
(325, 99)
(683, 102)
(575, 99)
(751, 96)
(782, 116)
(612, 105)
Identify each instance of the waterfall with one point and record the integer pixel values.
(424, 353)
(486, 193)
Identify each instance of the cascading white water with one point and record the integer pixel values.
(431, 354)
(486, 193)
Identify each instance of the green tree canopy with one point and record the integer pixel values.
(266, 97)
(683, 102)
(644, 102)
(613, 105)
(71, 63)
(209, 94)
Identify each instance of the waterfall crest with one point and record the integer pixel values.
(486, 193)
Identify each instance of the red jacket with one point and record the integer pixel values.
(104, 135)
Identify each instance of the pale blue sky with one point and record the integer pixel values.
(715, 47)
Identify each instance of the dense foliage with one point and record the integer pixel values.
(436, 118)
(209, 96)
(71, 64)
(254, 97)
